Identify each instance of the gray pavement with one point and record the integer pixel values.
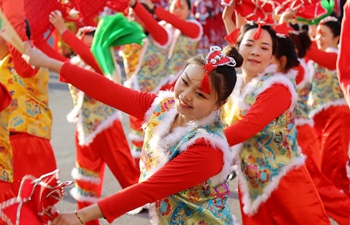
(64, 146)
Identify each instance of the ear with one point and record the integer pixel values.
(283, 62)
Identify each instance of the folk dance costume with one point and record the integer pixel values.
(274, 184)
(331, 116)
(169, 173)
(6, 169)
(337, 204)
(160, 60)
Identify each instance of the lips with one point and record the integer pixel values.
(184, 105)
(253, 61)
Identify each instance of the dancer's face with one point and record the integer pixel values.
(191, 102)
(257, 53)
(325, 38)
(179, 8)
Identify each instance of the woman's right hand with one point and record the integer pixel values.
(228, 12)
(57, 20)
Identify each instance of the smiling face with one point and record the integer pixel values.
(191, 102)
(256, 53)
(325, 38)
(179, 8)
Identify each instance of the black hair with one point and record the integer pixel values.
(188, 2)
(334, 26)
(302, 42)
(248, 26)
(223, 78)
(286, 47)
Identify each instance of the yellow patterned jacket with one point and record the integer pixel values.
(29, 111)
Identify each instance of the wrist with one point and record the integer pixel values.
(78, 217)
(62, 30)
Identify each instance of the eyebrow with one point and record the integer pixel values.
(264, 43)
(186, 74)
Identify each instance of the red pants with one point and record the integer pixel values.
(108, 147)
(336, 203)
(5, 194)
(332, 127)
(295, 201)
(31, 156)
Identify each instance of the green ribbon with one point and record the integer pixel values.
(327, 5)
(112, 31)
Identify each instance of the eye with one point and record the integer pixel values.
(199, 94)
(264, 48)
(185, 82)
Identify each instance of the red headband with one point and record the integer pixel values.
(214, 59)
(258, 31)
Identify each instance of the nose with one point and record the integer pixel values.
(255, 51)
(186, 95)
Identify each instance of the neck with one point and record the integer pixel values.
(3, 53)
(247, 77)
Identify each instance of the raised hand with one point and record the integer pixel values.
(57, 20)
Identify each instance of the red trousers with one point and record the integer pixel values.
(5, 194)
(31, 156)
(332, 127)
(108, 147)
(336, 203)
(295, 201)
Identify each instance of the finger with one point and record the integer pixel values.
(25, 58)
(28, 45)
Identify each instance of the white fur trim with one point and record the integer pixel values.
(281, 79)
(306, 76)
(107, 123)
(330, 49)
(300, 122)
(160, 96)
(339, 102)
(236, 149)
(72, 117)
(135, 154)
(134, 137)
(250, 208)
(311, 67)
(75, 194)
(77, 176)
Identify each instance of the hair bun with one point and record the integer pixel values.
(232, 51)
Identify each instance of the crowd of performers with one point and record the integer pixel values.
(206, 90)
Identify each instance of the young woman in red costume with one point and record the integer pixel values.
(6, 168)
(160, 60)
(100, 137)
(30, 118)
(274, 184)
(329, 109)
(184, 134)
(336, 203)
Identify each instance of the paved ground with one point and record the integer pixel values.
(63, 144)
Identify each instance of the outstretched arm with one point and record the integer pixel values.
(93, 84)
(75, 43)
(325, 59)
(177, 175)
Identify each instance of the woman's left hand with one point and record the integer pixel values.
(66, 219)
(34, 56)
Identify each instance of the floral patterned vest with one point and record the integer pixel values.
(326, 90)
(131, 55)
(151, 72)
(6, 169)
(205, 203)
(267, 156)
(182, 48)
(29, 110)
(91, 116)
(303, 90)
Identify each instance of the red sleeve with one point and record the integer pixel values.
(132, 102)
(181, 173)
(188, 28)
(5, 97)
(325, 59)
(344, 56)
(268, 106)
(233, 36)
(81, 49)
(159, 34)
(300, 75)
(283, 29)
(14, 11)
